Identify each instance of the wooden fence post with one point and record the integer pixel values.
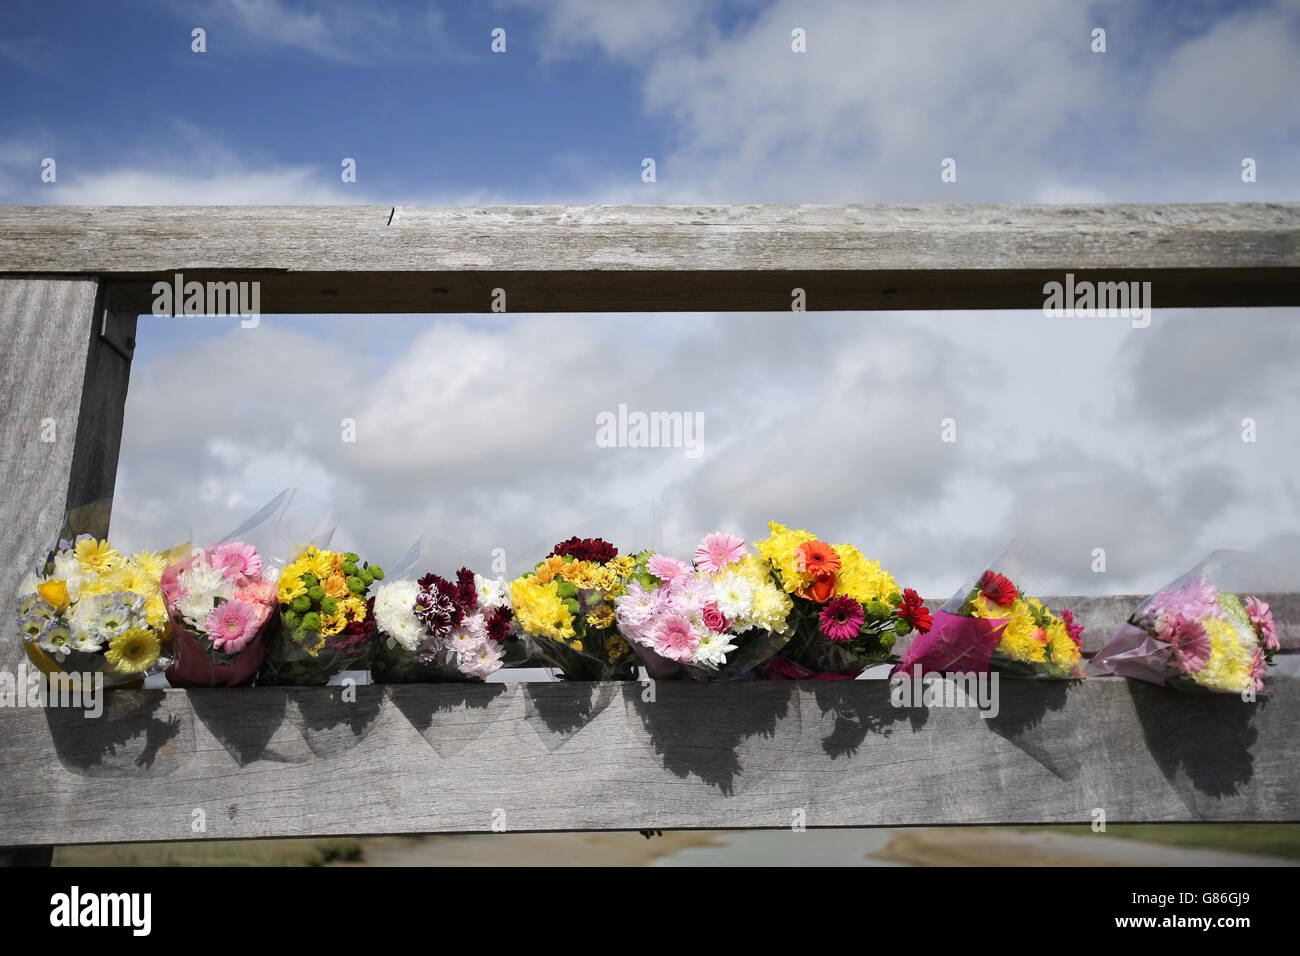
(60, 429)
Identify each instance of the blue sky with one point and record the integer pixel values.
(481, 432)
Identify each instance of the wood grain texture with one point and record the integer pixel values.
(51, 348)
(578, 756)
(671, 258)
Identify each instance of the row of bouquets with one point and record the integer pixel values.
(272, 603)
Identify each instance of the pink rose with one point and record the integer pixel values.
(714, 619)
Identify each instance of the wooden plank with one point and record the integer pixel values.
(578, 756)
(672, 258)
(52, 353)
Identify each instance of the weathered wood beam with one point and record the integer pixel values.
(578, 756)
(61, 424)
(367, 259)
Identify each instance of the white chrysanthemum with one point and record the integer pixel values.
(713, 649)
(464, 641)
(69, 569)
(208, 583)
(482, 660)
(57, 639)
(492, 592)
(395, 615)
(733, 595)
(86, 643)
(195, 607)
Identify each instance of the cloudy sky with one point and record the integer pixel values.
(479, 432)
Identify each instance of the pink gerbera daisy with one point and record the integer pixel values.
(718, 550)
(674, 639)
(669, 570)
(1262, 618)
(841, 619)
(238, 561)
(1190, 642)
(231, 625)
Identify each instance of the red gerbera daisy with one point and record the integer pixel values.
(998, 589)
(911, 610)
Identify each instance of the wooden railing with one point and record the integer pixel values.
(261, 762)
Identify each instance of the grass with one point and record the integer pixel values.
(307, 852)
(1272, 839)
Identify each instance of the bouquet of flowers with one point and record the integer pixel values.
(89, 608)
(220, 601)
(1195, 635)
(565, 607)
(847, 610)
(326, 625)
(991, 623)
(439, 630)
(719, 618)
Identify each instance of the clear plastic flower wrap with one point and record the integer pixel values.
(565, 609)
(1210, 630)
(222, 600)
(720, 618)
(845, 611)
(434, 629)
(991, 624)
(326, 621)
(89, 609)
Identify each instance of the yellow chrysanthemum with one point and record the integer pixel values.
(616, 648)
(313, 642)
(353, 607)
(577, 572)
(322, 564)
(771, 608)
(135, 651)
(603, 578)
(779, 550)
(754, 569)
(1065, 653)
(1228, 668)
(1022, 639)
(861, 579)
(623, 565)
(150, 563)
(539, 609)
(576, 645)
(604, 617)
(331, 624)
(290, 586)
(95, 555)
(155, 611)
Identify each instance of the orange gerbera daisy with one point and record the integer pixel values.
(817, 558)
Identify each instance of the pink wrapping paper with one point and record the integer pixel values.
(954, 644)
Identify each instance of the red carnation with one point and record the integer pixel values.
(498, 627)
(911, 610)
(586, 549)
(466, 596)
(998, 589)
